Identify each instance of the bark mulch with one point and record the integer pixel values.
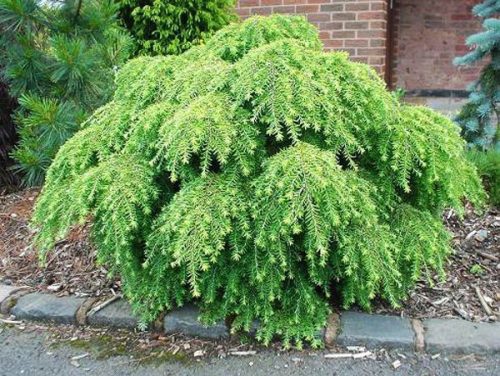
(70, 267)
(471, 290)
(473, 274)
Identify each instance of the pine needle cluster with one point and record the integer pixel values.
(261, 178)
(58, 58)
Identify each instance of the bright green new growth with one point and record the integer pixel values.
(260, 177)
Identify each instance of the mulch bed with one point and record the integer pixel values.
(70, 267)
(473, 271)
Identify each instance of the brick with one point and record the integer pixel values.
(371, 51)
(376, 60)
(334, 43)
(360, 59)
(377, 42)
(378, 6)
(271, 2)
(378, 25)
(345, 16)
(248, 3)
(288, 9)
(332, 7)
(317, 1)
(312, 8)
(371, 33)
(324, 35)
(356, 42)
(344, 34)
(357, 7)
(331, 26)
(318, 17)
(357, 25)
(371, 16)
(264, 11)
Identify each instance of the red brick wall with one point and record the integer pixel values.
(356, 26)
(428, 34)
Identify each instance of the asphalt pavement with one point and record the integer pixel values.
(30, 353)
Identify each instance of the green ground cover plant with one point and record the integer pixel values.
(261, 178)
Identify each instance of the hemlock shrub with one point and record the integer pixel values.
(260, 177)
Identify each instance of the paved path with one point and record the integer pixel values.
(28, 353)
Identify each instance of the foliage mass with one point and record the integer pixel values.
(260, 177)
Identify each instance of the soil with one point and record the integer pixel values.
(473, 272)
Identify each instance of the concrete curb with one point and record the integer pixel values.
(350, 329)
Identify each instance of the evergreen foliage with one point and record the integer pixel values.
(171, 27)
(58, 59)
(260, 177)
(488, 166)
(480, 117)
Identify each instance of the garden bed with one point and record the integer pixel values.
(70, 268)
(473, 270)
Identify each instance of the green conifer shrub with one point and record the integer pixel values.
(58, 58)
(171, 27)
(260, 176)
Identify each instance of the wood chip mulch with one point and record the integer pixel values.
(471, 290)
(473, 274)
(71, 266)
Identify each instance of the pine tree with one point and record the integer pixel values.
(255, 175)
(480, 117)
(59, 59)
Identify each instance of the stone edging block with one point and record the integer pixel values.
(353, 328)
(185, 320)
(117, 315)
(362, 329)
(47, 307)
(460, 336)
